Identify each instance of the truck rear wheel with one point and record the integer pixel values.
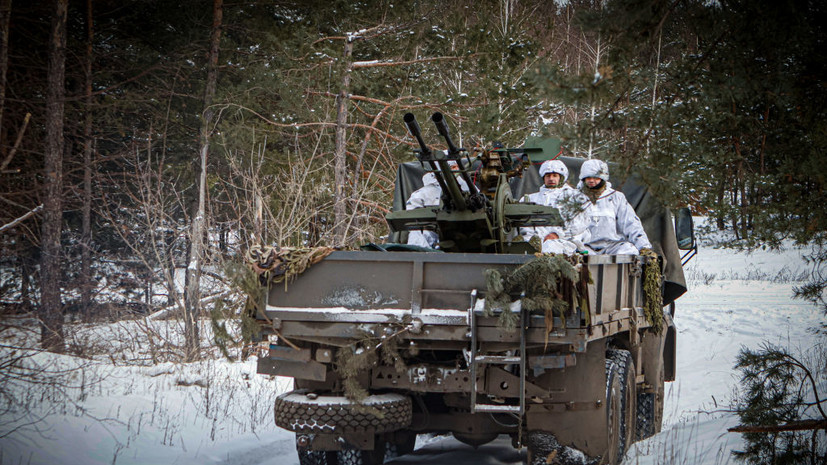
(317, 457)
(542, 446)
(347, 456)
(614, 412)
(403, 443)
(363, 457)
(628, 397)
(650, 412)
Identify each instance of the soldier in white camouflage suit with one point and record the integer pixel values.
(428, 195)
(571, 203)
(614, 226)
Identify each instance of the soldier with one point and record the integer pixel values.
(571, 203)
(614, 226)
(428, 195)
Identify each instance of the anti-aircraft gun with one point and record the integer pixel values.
(484, 219)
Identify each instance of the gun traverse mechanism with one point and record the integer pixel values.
(484, 219)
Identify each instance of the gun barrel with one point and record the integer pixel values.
(442, 128)
(451, 191)
(414, 129)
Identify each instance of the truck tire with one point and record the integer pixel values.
(541, 445)
(295, 412)
(614, 412)
(628, 396)
(317, 457)
(384, 450)
(402, 444)
(649, 412)
(363, 457)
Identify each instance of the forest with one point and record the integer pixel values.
(146, 145)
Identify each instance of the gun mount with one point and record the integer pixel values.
(484, 219)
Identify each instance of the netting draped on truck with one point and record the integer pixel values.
(283, 264)
(547, 286)
(652, 286)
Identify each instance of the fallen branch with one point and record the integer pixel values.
(166, 311)
(21, 219)
(802, 425)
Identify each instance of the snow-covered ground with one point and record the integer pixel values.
(120, 409)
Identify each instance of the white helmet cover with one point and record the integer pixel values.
(555, 166)
(594, 168)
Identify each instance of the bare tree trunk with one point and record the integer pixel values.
(719, 218)
(86, 231)
(340, 154)
(5, 17)
(50, 310)
(197, 253)
(594, 105)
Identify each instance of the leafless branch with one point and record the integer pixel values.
(17, 142)
(21, 219)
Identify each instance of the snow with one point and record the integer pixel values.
(140, 408)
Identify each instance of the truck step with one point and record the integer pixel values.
(493, 408)
(497, 359)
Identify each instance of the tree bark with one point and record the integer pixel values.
(86, 228)
(50, 310)
(192, 296)
(5, 17)
(340, 153)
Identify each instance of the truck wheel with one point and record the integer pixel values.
(542, 446)
(294, 411)
(628, 397)
(650, 412)
(363, 457)
(614, 412)
(317, 457)
(403, 443)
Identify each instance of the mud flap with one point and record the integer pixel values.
(576, 415)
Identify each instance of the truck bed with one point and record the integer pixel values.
(332, 299)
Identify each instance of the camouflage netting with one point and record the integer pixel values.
(378, 342)
(542, 280)
(653, 297)
(274, 264)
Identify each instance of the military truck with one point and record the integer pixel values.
(392, 341)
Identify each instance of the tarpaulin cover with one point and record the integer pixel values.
(657, 220)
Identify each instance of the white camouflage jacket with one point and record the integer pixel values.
(428, 195)
(612, 220)
(572, 204)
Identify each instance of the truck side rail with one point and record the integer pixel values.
(333, 300)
